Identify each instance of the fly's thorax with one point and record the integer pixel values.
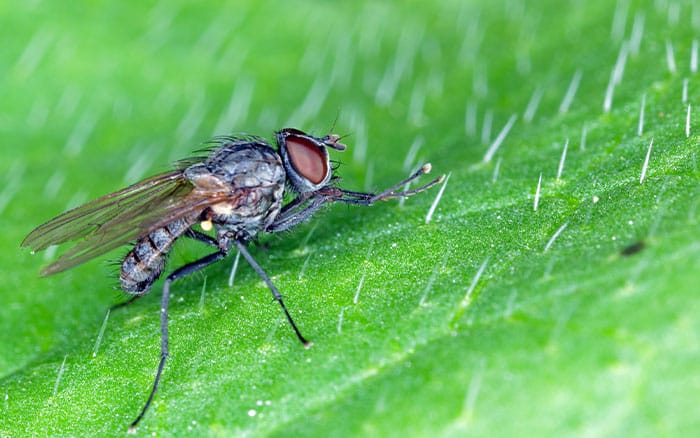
(253, 177)
(247, 164)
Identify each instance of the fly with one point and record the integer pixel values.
(237, 189)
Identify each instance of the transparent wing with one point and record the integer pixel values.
(121, 217)
(90, 217)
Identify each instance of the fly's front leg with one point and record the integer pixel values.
(361, 198)
(291, 217)
(295, 213)
(295, 203)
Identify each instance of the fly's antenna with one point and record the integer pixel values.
(335, 120)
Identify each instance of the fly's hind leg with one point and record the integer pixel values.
(125, 303)
(201, 237)
(184, 271)
(189, 269)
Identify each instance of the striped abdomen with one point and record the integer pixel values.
(143, 265)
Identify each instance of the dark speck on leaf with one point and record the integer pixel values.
(633, 248)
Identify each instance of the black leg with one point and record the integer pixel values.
(295, 212)
(288, 219)
(125, 303)
(295, 203)
(196, 235)
(241, 247)
(184, 271)
(360, 198)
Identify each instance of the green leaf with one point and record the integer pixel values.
(575, 317)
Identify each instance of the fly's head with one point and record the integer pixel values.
(305, 158)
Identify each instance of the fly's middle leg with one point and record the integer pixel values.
(275, 293)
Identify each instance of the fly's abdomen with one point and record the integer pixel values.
(145, 262)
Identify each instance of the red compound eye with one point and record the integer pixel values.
(307, 158)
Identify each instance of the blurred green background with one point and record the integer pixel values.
(492, 319)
